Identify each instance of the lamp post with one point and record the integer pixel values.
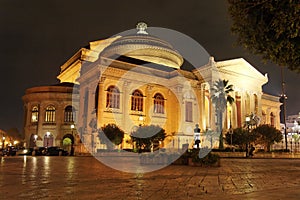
(197, 136)
(247, 145)
(72, 142)
(3, 142)
(47, 135)
(231, 133)
(141, 120)
(283, 99)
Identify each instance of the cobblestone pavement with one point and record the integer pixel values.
(86, 178)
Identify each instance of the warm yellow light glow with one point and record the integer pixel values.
(141, 118)
(16, 142)
(247, 119)
(34, 118)
(72, 126)
(3, 138)
(35, 137)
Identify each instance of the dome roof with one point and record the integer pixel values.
(144, 47)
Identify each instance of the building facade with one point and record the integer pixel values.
(50, 115)
(140, 80)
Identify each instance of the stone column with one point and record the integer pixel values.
(181, 111)
(203, 117)
(101, 101)
(238, 111)
(148, 103)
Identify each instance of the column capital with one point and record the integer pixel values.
(102, 79)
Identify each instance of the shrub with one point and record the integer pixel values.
(280, 150)
(209, 159)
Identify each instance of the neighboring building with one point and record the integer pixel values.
(293, 118)
(140, 80)
(3, 136)
(270, 107)
(292, 125)
(49, 115)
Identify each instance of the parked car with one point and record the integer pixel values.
(56, 151)
(24, 151)
(9, 151)
(40, 151)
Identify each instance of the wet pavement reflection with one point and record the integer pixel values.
(86, 178)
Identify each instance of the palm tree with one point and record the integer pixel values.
(220, 98)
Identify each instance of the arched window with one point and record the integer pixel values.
(137, 101)
(35, 114)
(159, 103)
(69, 114)
(113, 97)
(50, 114)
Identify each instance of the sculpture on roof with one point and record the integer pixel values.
(141, 27)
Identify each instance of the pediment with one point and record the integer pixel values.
(240, 67)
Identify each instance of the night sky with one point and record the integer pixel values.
(37, 37)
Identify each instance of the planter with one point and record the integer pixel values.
(196, 164)
(153, 159)
(181, 161)
(230, 154)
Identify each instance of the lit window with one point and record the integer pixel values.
(50, 114)
(69, 114)
(35, 114)
(113, 97)
(188, 111)
(159, 103)
(137, 101)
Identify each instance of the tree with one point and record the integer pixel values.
(220, 98)
(111, 135)
(240, 137)
(269, 28)
(267, 135)
(145, 137)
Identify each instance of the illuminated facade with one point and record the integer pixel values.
(49, 116)
(141, 80)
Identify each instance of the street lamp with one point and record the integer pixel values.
(231, 133)
(141, 120)
(3, 142)
(47, 135)
(283, 99)
(247, 145)
(72, 142)
(197, 136)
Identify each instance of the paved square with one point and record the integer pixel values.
(86, 178)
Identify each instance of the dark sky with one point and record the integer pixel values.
(37, 37)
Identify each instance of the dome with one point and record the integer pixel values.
(144, 47)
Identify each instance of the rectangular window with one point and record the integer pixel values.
(188, 111)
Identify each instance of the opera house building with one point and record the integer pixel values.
(136, 80)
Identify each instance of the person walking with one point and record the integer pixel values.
(252, 148)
